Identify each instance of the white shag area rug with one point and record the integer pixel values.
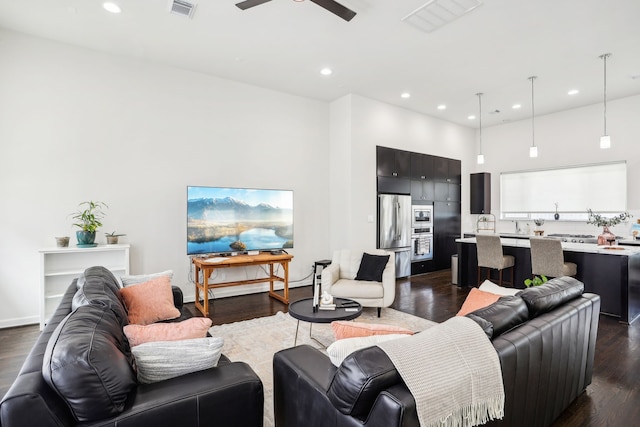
(255, 341)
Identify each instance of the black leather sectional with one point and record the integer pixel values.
(230, 394)
(545, 339)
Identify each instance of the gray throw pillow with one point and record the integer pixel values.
(161, 360)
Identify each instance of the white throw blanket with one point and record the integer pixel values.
(453, 373)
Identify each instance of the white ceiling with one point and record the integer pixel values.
(283, 44)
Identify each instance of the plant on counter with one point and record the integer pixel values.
(601, 221)
(536, 281)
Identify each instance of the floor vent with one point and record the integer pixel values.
(182, 8)
(437, 13)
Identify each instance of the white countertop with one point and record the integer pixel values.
(568, 246)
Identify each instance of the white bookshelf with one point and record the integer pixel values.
(59, 266)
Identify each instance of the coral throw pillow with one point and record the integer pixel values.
(150, 301)
(476, 300)
(196, 327)
(343, 329)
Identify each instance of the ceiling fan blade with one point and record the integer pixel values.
(250, 3)
(336, 8)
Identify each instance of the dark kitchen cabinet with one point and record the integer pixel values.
(480, 190)
(447, 192)
(422, 190)
(421, 167)
(393, 163)
(446, 226)
(446, 170)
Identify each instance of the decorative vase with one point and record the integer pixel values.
(607, 237)
(86, 238)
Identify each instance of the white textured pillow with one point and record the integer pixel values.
(342, 348)
(161, 360)
(141, 278)
(491, 287)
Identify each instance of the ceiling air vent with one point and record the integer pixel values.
(437, 13)
(182, 8)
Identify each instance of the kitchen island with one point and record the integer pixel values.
(613, 272)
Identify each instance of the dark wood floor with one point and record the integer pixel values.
(613, 398)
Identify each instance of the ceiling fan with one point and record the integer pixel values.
(331, 5)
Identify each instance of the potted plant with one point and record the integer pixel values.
(112, 238)
(607, 237)
(88, 219)
(536, 281)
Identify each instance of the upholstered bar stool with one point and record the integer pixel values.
(489, 250)
(547, 258)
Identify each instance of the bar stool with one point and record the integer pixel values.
(489, 250)
(547, 258)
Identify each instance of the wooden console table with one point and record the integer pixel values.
(207, 265)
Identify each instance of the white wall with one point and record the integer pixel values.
(566, 138)
(374, 123)
(77, 125)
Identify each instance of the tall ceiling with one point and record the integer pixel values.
(282, 45)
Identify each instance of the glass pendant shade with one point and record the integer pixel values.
(533, 151)
(480, 159)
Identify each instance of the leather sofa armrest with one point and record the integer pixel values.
(178, 297)
(301, 376)
(231, 393)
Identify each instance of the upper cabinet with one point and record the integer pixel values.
(421, 166)
(393, 163)
(446, 170)
(425, 177)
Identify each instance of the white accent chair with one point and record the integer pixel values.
(338, 279)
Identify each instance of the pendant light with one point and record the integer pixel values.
(533, 150)
(480, 156)
(605, 139)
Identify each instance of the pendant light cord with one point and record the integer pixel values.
(480, 117)
(604, 57)
(533, 115)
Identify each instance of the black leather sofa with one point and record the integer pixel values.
(545, 340)
(230, 394)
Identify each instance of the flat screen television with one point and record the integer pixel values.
(224, 220)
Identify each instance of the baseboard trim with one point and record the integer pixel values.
(19, 321)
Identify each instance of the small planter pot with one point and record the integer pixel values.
(86, 239)
(62, 242)
(112, 240)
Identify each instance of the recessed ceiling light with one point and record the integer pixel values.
(573, 92)
(516, 106)
(471, 117)
(442, 107)
(111, 7)
(326, 71)
(405, 95)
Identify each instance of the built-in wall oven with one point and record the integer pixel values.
(421, 232)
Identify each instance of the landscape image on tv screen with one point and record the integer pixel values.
(223, 220)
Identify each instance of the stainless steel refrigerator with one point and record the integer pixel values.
(394, 229)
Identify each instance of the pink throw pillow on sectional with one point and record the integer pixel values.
(343, 329)
(476, 300)
(196, 327)
(150, 301)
